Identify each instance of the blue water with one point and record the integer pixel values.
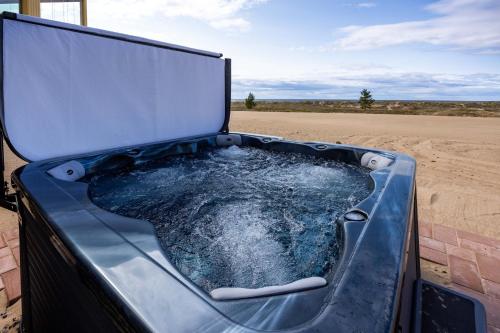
(239, 217)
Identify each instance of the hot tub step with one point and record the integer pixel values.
(439, 309)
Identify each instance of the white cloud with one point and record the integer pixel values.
(366, 4)
(386, 85)
(464, 24)
(231, 23)
(220, 14)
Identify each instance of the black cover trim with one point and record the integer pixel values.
(14, 16)
(227, 93)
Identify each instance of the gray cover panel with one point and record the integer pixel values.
(89, 92)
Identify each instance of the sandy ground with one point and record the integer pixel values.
(458, 174)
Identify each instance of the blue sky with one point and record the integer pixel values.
(443, 50)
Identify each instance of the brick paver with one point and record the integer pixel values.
(7, 263)
(12, 243)
(433, 255)
(425, 229)
(492, 288)
(494, 253)
(474, 246)
(478, 238)
(489, 267)
(465, 273)
(10, 234)
(445, 234)
(17, 255)
(433, 244)
(474, 264)
(492, 329)
(5, 251)
(461, 252)
(12, 282)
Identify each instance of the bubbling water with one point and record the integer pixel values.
(239, 217)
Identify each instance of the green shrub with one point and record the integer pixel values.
(366, 100)
(250, 101)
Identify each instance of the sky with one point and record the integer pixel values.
(330, 49)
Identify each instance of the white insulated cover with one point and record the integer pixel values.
(69, 91)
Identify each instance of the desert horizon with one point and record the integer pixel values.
(403, 107)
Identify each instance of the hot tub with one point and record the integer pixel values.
(179, 243)
(239, 221)
(141, 211)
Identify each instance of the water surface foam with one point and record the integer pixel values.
(239, 217)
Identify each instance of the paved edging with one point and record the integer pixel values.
(10, 278)
(473, 261)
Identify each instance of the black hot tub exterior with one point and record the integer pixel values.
(87, 264)
(87, 270)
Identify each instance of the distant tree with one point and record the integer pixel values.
(366, 100)
(250, 101)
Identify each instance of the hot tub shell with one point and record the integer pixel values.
(86, 269)
(133, 269)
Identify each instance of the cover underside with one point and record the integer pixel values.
(70, 91)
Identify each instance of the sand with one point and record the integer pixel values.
(458, 158)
